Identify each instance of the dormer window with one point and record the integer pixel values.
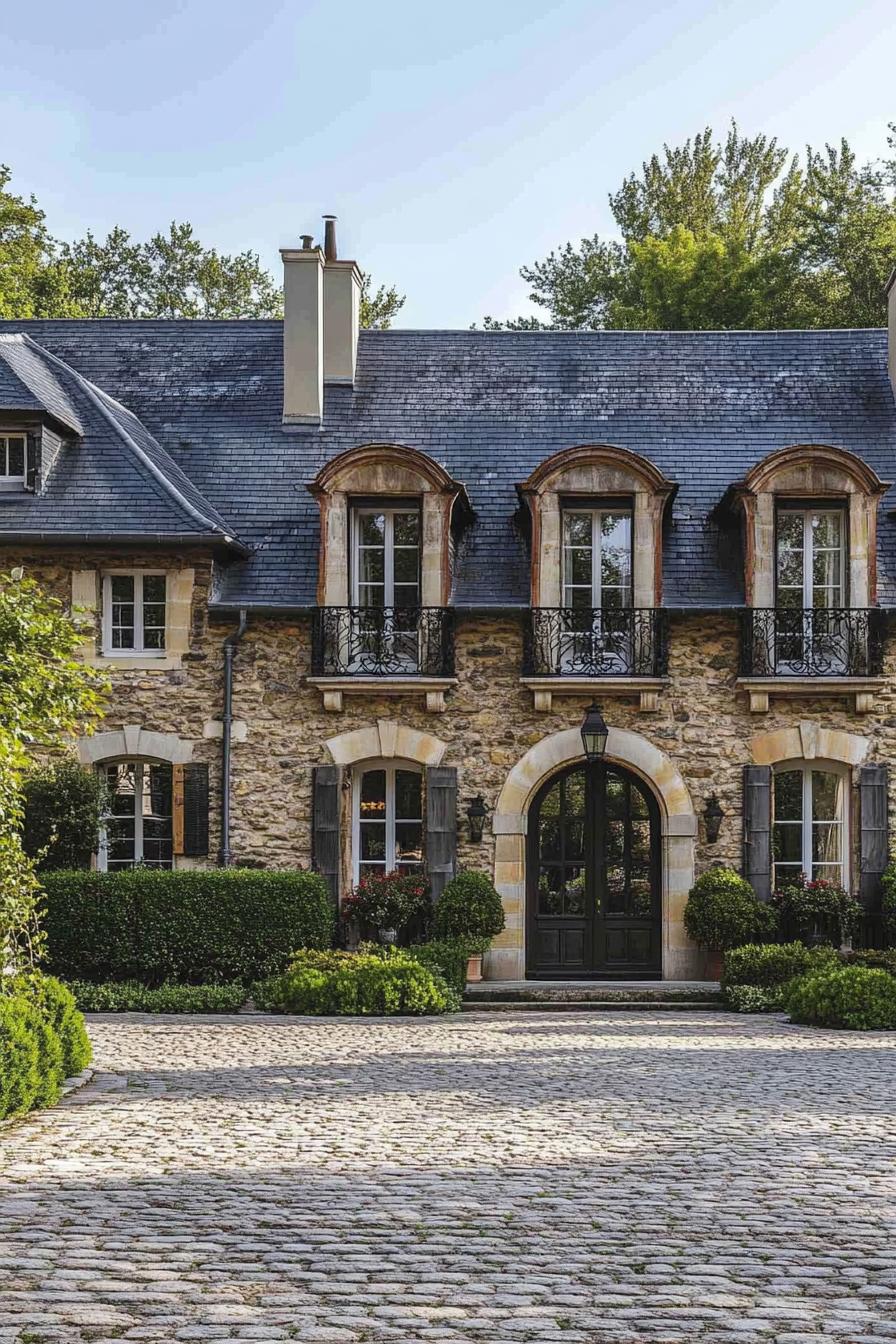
(13, 460)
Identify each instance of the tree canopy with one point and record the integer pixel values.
(732, 234)
(171, 275)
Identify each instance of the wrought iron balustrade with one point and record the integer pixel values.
(595, 642)
(382, 642)
(812, 642)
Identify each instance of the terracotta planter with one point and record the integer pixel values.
(713, 964)
(474, 969)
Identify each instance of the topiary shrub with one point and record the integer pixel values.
(387, 983)
(63, 804)
(32, 1058)
(200, 926)
(448, 957)
(855, 997)
(723, 911)
(57, 1004)
(469, 908)
(128, 997)
(770, 965)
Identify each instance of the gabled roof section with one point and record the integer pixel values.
(134, 481)
(27, 383)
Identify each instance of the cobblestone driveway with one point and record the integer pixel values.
(625, 1177)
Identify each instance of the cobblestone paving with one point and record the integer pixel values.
(529, 1177)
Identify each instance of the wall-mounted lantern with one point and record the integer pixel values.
(594, 734)
(476, 815)
(712, 817)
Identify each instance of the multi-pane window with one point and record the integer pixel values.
(134, 613)
(597, 558)
(385, 589)
(137, 826)
(388, 820)
(811, 561)
(12, 461)
(809, 823)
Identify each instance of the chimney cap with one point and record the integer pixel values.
(307, 241)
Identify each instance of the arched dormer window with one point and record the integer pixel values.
(810, 552)
(388, 515)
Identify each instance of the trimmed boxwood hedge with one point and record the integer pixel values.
(127, 997)
(42, 1042)
(199, 926)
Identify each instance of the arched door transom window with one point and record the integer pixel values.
(388, 819)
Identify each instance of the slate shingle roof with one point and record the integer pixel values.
(703, 406)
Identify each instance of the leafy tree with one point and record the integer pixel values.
(45, 695)
(730, 235)
(172, 275)
(63, 806)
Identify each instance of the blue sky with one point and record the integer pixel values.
(455, 141)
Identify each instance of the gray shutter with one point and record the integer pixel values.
(196, 809)
(874, 835)
(31, 463)
(757, 829)
(441, 826)
(325, 847)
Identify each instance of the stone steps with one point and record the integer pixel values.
(599, 996)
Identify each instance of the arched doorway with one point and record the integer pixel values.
(594, 889)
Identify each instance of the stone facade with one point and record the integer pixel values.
(695, 744)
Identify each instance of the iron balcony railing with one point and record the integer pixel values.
(812, 642)
(591, 642)
(382, 642)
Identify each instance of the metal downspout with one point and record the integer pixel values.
(229, 647)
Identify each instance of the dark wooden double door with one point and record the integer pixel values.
(593, 865)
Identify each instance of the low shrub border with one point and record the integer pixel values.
(383, 982)
(202, 926)
(42, 1042)
(858, 998)
(129, 997)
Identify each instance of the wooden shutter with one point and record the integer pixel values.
(325, 846)
(758, 828)
(874, 845)
(195, 810)
(441, 826)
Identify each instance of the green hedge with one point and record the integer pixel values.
(770, 965)
(42, 1042)
(201, 926)
(389, 982)
(129, 997)
(448, 957)
(855, 997)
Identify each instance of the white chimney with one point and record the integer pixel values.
(342, 310)
(303, 334)
(891, 328)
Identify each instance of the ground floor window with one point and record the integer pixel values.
(388, 819)
(810, 823)
(137, 828)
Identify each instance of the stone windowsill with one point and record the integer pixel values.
(863, 690)
(333, 689)
(646, 689)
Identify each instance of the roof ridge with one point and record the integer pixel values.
(99, 399)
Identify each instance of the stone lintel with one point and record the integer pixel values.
(862, 690)
(645, 689)
(334, 689)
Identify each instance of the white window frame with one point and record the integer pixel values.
(388, 514)
(809, 553)
(13, 482)
(138, 575)
(390, 768)
(597, 538)
(806, 768)
(139, 764)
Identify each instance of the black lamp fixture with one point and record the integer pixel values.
(476, 815)
(712, 817)
(594, 733)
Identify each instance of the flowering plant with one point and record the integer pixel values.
(817, 908)
(387, 900)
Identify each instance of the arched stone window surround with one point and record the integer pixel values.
(133, 741)
(809, 741)
(389, 470)
(597, 470)
(386, 740)
(810, 471)
(678, 823)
